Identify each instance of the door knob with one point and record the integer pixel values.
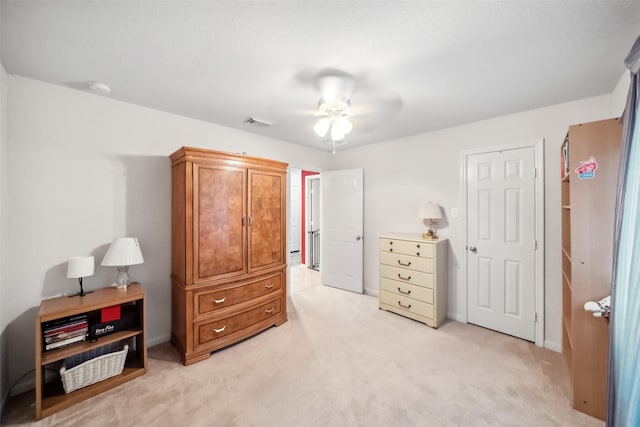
(473, 249)
(358, 237)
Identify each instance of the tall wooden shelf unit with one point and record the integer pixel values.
(588, 214)
(51, 398)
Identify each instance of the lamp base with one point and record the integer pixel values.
(80, 294)
(122, 279)
(430, 234)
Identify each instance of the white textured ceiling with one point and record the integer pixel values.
(447, 62)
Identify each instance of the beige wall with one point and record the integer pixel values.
(400, 174)
(4, 283)
(86, 169)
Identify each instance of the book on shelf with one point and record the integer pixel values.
(564, 159)
(63, 321)
(65, 335)
(65, 342)
(65, 329)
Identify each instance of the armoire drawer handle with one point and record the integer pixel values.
(220, 330)
(404, 292)
(269, 311)
(219, 301)
(269, 286)
(404, 278)
(403, 264)
(404, 306)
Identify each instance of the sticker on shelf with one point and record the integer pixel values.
(587, 169)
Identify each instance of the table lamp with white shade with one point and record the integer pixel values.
(431, 212)
(122, 253)
(79, 267)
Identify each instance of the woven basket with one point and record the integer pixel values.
(78, 372)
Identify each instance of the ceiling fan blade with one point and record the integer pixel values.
(387, 106)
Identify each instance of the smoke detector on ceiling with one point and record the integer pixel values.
(254, 121)
(99, 88)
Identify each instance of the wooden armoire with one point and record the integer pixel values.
(228, 249)
(591, 157)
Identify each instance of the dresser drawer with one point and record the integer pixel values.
(407, 261)
(207, 333)
(407, 276)
(404, 304)
(407, 290)
(214, 299)
(406, 247)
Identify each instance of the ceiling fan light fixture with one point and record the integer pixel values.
(342, 124)
(322, 126)
(336, 135)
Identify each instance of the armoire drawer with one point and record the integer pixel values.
(206, 333)
(407, 276)
(406, 289)
(406, 247)
(403, 304)
(407, 261)
(209, 300)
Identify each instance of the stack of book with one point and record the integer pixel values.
(65, 331)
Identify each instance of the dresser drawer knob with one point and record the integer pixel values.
(217, 331)
(404, 306)
(404, 278)
(391, 243)
(269, 311)
(403, 264)
(417, 253)
(391, 250)
(219, 301)
(404, 292)
(418, 246)
(269, 286)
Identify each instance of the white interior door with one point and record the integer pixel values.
(341, 247)
(312, 250)
(501, 241)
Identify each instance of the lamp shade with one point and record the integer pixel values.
(80, 266)
(430, 210)
(123, 251)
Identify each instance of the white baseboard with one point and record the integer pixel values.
(457, 317)
(158, 340)
(553, 346)
(372, 292)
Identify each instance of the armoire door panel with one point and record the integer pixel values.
(220, 232)
(266, 219)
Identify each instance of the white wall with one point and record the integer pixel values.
(400, 174)
(619, 95)
(86, 169)
(4, 283)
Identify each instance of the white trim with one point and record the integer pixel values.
(538, 147)
(553, 346)
(371, 292)
(457, 317)
(158, 340)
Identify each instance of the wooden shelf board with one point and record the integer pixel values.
(56, 400)
(566, 207)
(567, 326)
(80, 347)
(565, 178)
(564, 251)
(567, 280)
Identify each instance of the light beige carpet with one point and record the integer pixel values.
(339, 361)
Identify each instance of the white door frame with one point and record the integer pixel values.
(538, 147)
(307, 212)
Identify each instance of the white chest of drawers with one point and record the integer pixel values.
(413, 277)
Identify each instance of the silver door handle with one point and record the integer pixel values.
(358, 237)
(473, 249)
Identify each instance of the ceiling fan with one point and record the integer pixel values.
(335, 113)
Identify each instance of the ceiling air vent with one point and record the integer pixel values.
(254, 121)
